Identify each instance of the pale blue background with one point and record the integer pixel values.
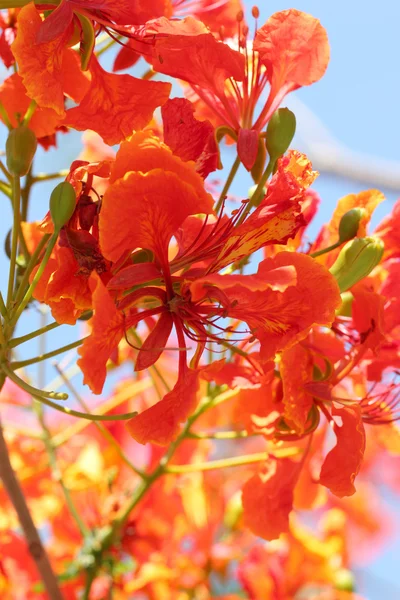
(357, 102)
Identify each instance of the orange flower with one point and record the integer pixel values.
(51, 69)
(290, 50)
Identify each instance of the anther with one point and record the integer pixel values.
(255, 12)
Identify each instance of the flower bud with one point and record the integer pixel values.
(345, 310)
(349, 224)
(280, 132)
(21, 146)
(344, 580)
(356, 261)
(62, 204)
(88, 40)
(233, 511)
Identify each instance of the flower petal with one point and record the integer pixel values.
(268, 498)
(115, 105)
(107, 331)
(343, 462)
(189, 138)
(159, 424)
(294, 47)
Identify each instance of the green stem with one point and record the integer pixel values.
(3, 308)
(16, 197)
(49, 176)
(33, 260)
(3, 112)
(29, 113)
(228, 183)
(162, 467)
(36, 393)
(326, 250)
(259, 191)
(56, 473)
(35, 281)
(32, 361)
(5, 172)
(81, 415)
(30, 336)
(5, 189)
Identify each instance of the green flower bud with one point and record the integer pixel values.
(88, 39)
(356, 261)
(21, 146)
(349, 224)
(62, 204)
(233, 511)
(347, 304)
(280, 132)
(344, 580)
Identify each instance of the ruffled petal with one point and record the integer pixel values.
(160, 423)
(268, 498)
(115, 105)
(343, 462)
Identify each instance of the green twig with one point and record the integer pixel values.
(16, 196)
(56, 473)
(31, 361)
(228, 184)
(30, 336)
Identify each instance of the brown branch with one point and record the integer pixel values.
(35, 546)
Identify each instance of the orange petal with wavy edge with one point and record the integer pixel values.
(160, 423)
(65, 283)
(143, 210)
(145, 152)
(189, 138)
(296, 369)
(278, 319)
(343, 462)
(258, 410)
(115, 105)
(16, 102)
(107, 331)
(268, 498)
(46, 69)
(294, 47)
(200, 60)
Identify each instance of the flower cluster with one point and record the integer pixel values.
(237, 341)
